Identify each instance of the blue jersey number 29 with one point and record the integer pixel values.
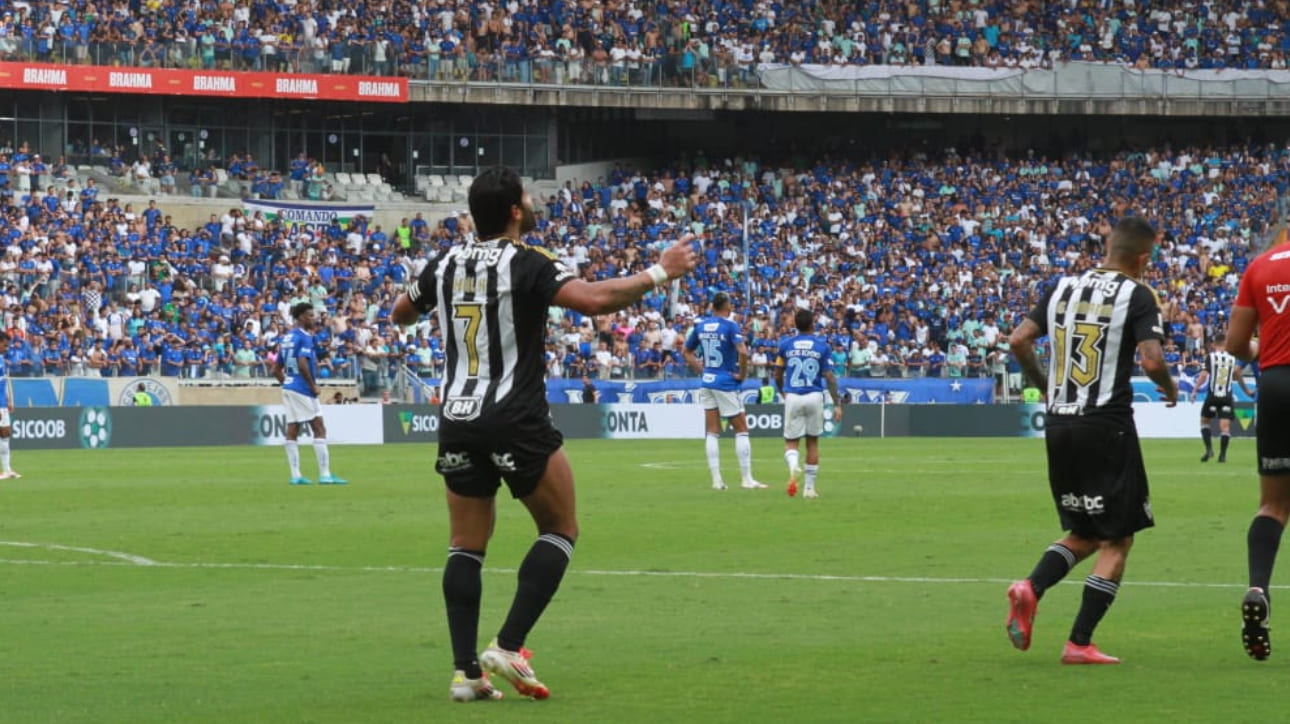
(803, 372)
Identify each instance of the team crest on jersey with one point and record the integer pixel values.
(462, 408)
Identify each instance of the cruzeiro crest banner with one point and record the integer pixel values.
(314, 216)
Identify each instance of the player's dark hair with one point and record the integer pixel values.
(1133, 235)
(720, 301)
(803, 320)
(298, 310)
(1219, 338)
(493, 194)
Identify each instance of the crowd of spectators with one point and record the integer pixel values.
(154, 171)
(915, 266)
(643, 41)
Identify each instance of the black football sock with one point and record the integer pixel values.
(1053, 566)
(540, 576)
(1263, 539)
(1099, 593)
(1207, 435)
(1223, 440)
(462, 590)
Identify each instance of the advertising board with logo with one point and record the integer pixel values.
(346, 425)
(162, 392)
(410, 424)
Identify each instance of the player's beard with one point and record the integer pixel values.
(528, 222)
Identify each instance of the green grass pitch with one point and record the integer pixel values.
(881, 601)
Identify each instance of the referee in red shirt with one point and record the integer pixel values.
(1263, 305)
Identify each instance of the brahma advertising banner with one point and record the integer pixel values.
(217, 83)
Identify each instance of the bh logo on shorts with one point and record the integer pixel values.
(95, 427)
(1088, 504)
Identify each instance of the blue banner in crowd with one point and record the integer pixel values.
(862, 390)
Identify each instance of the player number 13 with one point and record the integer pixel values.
(1085, 361)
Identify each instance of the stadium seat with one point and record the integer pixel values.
(342, 178)
(374, 179)
(435, 180)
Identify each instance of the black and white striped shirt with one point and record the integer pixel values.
(1221, 367)
(492, 299)
(1095, 322)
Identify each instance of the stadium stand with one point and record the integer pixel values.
(644, 43)
(916, 266)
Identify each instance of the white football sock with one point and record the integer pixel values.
(743, 451)
(791, 457)
(811, 472)
(4, 453)
(293, 457)
(324, 458)
(712, 446)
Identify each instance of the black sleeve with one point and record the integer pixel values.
(1144, 316)
(423, 292)
(1039, 314)
(539, 273)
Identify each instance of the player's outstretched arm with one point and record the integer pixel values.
(1152, 357)
(611, 295)
(1022, 343)
(404, 312)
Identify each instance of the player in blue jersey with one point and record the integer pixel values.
(297, 370)
(802, 367)
(716, 350)
(6, 411)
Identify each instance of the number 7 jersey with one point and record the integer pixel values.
(1095, 322)
(492, 299)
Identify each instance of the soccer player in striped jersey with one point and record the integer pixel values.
(1097, 321)
(6, 412)
(1221, 371)
(492, 296)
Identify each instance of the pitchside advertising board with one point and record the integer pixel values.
(96, 427)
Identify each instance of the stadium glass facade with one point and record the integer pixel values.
(344, 136)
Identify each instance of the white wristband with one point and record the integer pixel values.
(658, 274)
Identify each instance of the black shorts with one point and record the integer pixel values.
(1098, 481)
(1221, 407)
(475, 457)
(1272, 417)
